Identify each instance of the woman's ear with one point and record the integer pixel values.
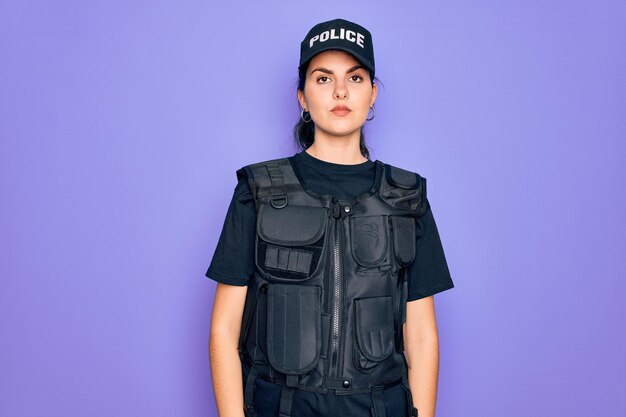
(302, 100)
(374, 94)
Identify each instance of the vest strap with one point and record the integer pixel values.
(378, 406)
(409, 398)
(278, 189)
(286, 400)
(248, 395)
(337, 383)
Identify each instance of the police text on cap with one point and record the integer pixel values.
(348, 35)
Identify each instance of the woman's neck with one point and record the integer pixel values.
(339, 151)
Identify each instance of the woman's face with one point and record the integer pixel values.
(335, 78)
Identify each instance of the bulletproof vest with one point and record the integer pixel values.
(327, 301)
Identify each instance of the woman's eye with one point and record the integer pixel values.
(323, 77)
(359, 78)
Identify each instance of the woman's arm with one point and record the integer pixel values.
(421, 343)
(223, 355)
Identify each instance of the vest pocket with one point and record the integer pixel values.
(374, 330)
(290, 240)
(369, 238)
(294, 327)
(403, 239)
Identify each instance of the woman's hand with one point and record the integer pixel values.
(224, 358)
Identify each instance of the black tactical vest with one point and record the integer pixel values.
(325, 307)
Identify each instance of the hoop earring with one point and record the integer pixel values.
(374, 113)
(302, 117)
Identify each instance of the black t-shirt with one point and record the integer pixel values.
(233, 260)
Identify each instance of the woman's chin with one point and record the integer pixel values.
(340, 128)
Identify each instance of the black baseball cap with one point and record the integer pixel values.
(338, 34)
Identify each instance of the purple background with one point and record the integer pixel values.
(122, 124)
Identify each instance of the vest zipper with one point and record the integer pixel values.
(336, 306)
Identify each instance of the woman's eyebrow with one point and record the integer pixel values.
(327, 71)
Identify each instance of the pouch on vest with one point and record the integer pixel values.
(404, 189)
(404, 239)
(374, 333)
(290, 240)
(369, 238)
(294, 327)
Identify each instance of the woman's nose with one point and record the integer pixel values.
(341, 92)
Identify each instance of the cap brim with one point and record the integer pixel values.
(341, 48)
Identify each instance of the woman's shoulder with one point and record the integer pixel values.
(243, 194)
(403, 176)
(404, 187)
(255, 174)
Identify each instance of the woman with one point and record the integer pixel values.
(328, 262)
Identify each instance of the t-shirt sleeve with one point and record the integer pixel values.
(428, 274)
(233, 259)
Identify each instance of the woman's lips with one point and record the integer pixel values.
(340, 110)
